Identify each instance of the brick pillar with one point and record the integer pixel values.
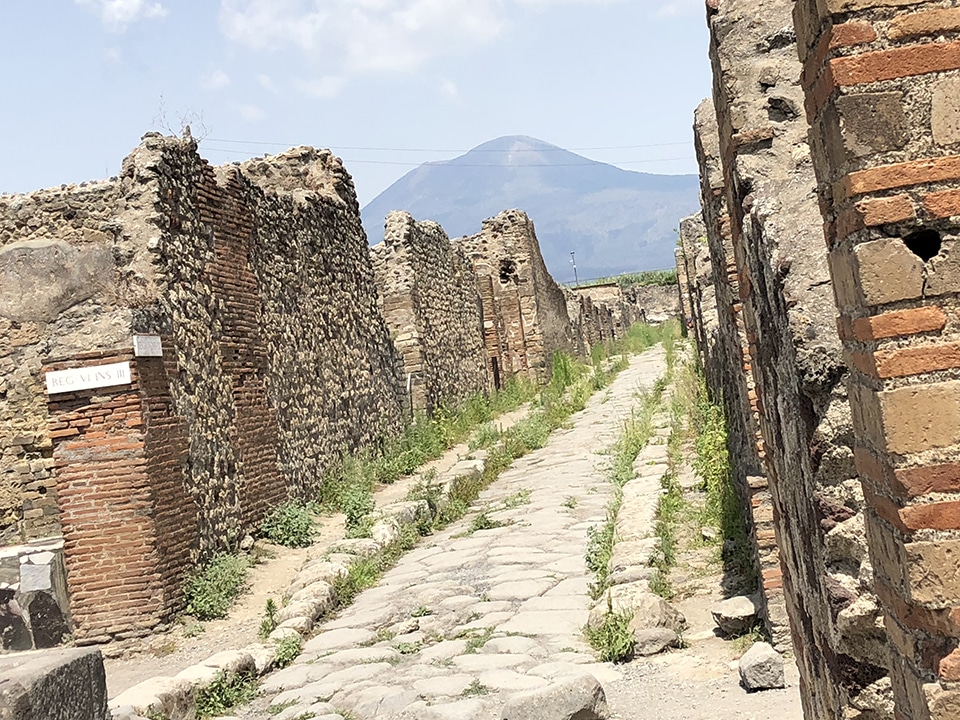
(882, 86)
(129, 525)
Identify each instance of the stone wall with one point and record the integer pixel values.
(794, 356)
(256, 281)
(729, 376)
(882, 88)
(429, 298)
(656, 303)
(516, 286)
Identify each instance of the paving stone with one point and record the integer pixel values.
(481, 663)
(519, 589)
(337, 639)
(444, 685)
(510, 681)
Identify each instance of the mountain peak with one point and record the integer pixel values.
(615, 220)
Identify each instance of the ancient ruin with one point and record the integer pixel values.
(429, 299)
(184, 347)
(828, 188)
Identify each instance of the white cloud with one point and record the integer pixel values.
(674, 8)
(449, 89)
(326, 87)
(117, 15)
(267, 83)
(216, 80)
(251, 113)
(345, 38)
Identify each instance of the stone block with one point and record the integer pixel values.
(68, 684)
(872, 122)
(934, 573)
(887, 271)
(921, 417)
(172, 698)
(945, 110)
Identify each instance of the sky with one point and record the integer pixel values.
(385, 84)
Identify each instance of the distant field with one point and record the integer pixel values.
(639, 279)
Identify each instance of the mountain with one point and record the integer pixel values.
(615, 220)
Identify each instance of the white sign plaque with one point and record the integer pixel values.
(147, 346)
(61, 381)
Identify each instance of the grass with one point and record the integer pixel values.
(724, 507)
(633, 437)
(637, 279)
(225, 693)
(212, 588)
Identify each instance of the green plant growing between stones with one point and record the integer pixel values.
(269, 621)
(212, 589)
(612, 640)
(484, 522)
(225, 693)
(476, 640)
(521, 497)
(474, 689)
(288, 650)
(570, 502)
(421, 611)
(290, 525)
(406, 648)
(280, 707)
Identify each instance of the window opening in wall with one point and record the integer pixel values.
(508, 270)
(925, 244)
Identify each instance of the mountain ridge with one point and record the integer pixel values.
(615, 220)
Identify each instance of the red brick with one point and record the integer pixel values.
(942, 204)
(932, 516)
(874, 212)
(884, 507)
(905, 174)
(856, 32)
(898, 323)
(926, 479)
(929, 22)
(903, 362)
(949, 668)
(900, 62)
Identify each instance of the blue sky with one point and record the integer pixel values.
(387, 84)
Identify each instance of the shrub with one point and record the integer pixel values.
(223, 694)
(212, 589)
(290, 524)
(288, 650)
(613, 640)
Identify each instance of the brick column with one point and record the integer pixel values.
(882, 85)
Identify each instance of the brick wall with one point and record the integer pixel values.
(794, 355)
(521, 291)
(429, 297)
(882, 83)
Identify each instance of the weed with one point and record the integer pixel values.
(570, 502)
(475, 688)
(269, 622)
(612, 640)
(421, 611)
(193, 629)
(290, 524)
(406, 648)
(384, 635)
(744, 642)
(522, 497)
(225, 693)
(484, 522)
(212, 589)
(288, 649)
(280, 707)
(485, 436)
(476, 640)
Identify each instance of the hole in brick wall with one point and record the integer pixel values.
(925, 244)
(508, 270)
